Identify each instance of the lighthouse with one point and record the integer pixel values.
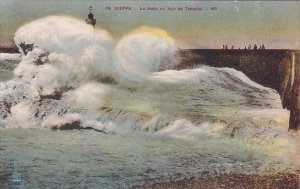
(90, 20)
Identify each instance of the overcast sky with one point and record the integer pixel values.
(275, 23)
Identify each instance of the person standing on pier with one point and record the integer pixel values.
(255, 47)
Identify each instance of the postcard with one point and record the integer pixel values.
(133, 94)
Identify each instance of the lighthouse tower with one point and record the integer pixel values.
(90, 20)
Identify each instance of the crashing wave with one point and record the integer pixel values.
(79, 77)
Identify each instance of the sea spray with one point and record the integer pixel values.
(68, 64)
(65, 57)
(90, 95)
(68, 54)
(142, 52)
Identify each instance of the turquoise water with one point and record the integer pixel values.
(6, 68)
(87, 159)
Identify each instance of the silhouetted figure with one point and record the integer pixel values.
(223, 47)
(255, 47)
(226, 47)
(245, 47)
(263, 47)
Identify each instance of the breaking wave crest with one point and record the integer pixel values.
(71, 62)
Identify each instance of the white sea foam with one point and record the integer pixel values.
(142, 52)
(185, 130)
(10, 57)
(70, 61)
(205, 75)
(68, 54)
(90, 95)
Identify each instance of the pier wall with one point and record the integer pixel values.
(277, 69)
(9, 50)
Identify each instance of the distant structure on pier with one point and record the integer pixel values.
(90, 20)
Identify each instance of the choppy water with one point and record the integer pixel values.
(6, 69)
(89, 159)
(86, 159)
